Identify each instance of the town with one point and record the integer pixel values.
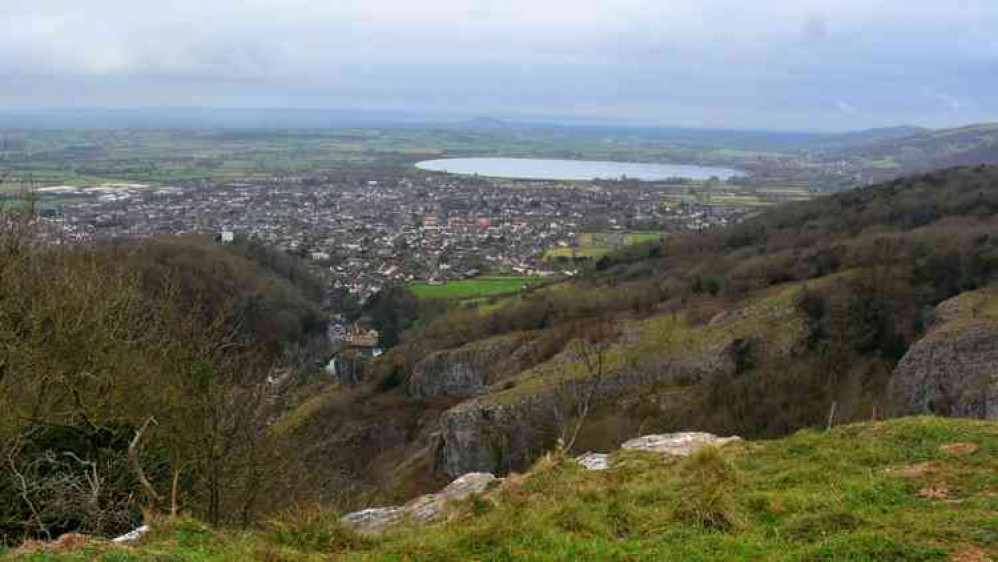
(361, 233)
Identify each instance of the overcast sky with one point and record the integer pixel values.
(793, 64)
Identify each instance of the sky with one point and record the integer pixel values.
(741, 64)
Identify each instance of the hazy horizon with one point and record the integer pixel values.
(806, 65)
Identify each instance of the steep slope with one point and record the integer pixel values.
(909, 489)
(759, 330)
(954, 369)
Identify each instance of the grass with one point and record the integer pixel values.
(479, 287)
(296, 417)
(858, 492)
(594, 245)
(668, 337)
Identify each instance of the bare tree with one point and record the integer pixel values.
(133, 458)
(575, 396)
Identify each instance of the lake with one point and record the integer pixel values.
(545, 169)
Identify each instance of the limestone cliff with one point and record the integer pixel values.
(953, 370)
(507, 431)
(467, 371)
(656, 360)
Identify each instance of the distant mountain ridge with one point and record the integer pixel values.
(932, 149)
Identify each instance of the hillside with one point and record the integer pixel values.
(923, 150)
(179, 341)
(758, 330)
(868, 304)
(911, 489)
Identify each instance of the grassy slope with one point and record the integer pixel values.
(668, 337)
(876, 491)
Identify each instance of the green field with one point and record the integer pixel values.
(480, 287)
(594, 245)
(92, 157)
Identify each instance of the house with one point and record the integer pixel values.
(363, 339)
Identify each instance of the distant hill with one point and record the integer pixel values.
(485, 123)
(856, 139)
(926, 150)
(202, 118)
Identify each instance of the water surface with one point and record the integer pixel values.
(548, 169)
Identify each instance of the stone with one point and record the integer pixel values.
(423, 509)
(677, 444)
(594, 461)
(429, 507)
(373, 520)
(131, 536)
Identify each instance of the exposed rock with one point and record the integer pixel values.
(132, 536)
(430, 506)
(373, 520)
(467, 371)
(594, 461)
(493, 434)
(480, 436)
(348, 367)
(953, 371)
(677, 444)
(422, 509)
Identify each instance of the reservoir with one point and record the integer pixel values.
(579, 170)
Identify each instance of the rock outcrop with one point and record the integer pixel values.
(468, 371)
(672, 444)
(499, 434)
(952, 371)
(481, 436)
(677, 444)
(432, 507)
(422, 509)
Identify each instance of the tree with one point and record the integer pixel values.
(576, 394)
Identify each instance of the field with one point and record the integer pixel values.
(480, 287)
(91, 157)
(731, 195)
(594, 245)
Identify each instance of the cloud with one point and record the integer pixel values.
(684, 62)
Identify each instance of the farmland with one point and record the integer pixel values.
(594, 245)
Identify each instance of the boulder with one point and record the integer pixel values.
(423, 509)
(677, 444)
(373, 520)
(131, 536)
(594, 461)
